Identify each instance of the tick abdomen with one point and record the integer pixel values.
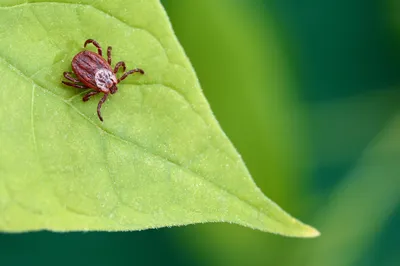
(86, 65)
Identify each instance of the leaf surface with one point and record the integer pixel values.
(159, 159)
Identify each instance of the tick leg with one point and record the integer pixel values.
(118, 65)
(109, 54)
(100, 104)
(68, 76)
(99, 50)
(130, 72)
(74, 85)
(88, 95)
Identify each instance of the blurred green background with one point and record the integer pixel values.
(309, 93)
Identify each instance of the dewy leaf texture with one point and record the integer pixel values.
(159, 159)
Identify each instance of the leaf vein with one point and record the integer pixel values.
(33, 119)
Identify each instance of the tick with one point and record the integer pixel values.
(94, 72)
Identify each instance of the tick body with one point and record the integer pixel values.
(94, 72)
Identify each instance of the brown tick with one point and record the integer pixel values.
(96, 73)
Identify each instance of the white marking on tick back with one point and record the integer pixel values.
(104, 79)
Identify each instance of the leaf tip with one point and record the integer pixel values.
(312, 232)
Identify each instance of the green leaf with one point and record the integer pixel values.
(159, 159)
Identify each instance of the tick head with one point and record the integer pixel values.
(113, 89)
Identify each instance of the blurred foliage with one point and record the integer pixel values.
(250, 88)
(321, 79)
(393, 9)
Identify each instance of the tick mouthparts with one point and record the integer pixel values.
(113, 89)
